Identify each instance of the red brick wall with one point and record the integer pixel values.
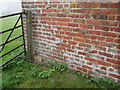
(83, 34)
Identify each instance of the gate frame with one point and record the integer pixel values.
(8, 41)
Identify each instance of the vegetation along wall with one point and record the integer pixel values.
(84, 33)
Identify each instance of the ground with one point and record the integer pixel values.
(23, 74)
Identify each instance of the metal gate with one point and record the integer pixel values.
(8, 40)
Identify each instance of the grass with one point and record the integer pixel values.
(22, 74)
(8, 23)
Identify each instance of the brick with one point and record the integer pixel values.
(73, 5)
(110, 11)
(102, 28)
(117, 40)
(118, 18)
(79, 20)
(93, 51)
(84, 45)
(100, 71)
(65, 37)
(94, 42)
(82, 53)
(65, 45)
(54, 5)
(56, 19)
(94, 32)
(95, 5)
(41, 6)
(106, 54)
(79, 10)
(114, 5)
(111, 17)
(60, 23)
(46, 18)
(115, 75)
(103, 63)
(91, 59)
(45, 10)
(95, 16)
(76, 30)
(87, 5)
(110, 34)
(38, 2)
(113, 61)
(89, 63)
(95, 11)
(61, 15)
(113, 23)
(72, 25)
(60, 5)
(79, 68)
(73, 15)
(66, 20)
(84, 66)
(70, 33)
(80, 5)
(103, 68)
(54, 10)
(116, 66)
(66, 10)
(66, 5)
(110, 39)
(117, 57)
(72, 42)
(86, 26)
(96, 22)
(93, 37)
(67, 29)
(70, 50)
(82, 35)
(103, 5)
(101, 38)
(79, 39)
(52, 14)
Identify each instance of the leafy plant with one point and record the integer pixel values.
(46, 74)
(60, 67)
(86, 75)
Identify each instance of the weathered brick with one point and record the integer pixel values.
(87, 5)
(95, 5)
(114, 5)
(113, 61)
(72, 25)
(82, 35)
(72, 42)
(110, 39)
(104, 5)
(79, 20)
(73, 15)
(79, 5)
(84, 66)
(110, 11)
(79, 39)
(106, 54)
(86, 26)
(115, 75)
(73, 5)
